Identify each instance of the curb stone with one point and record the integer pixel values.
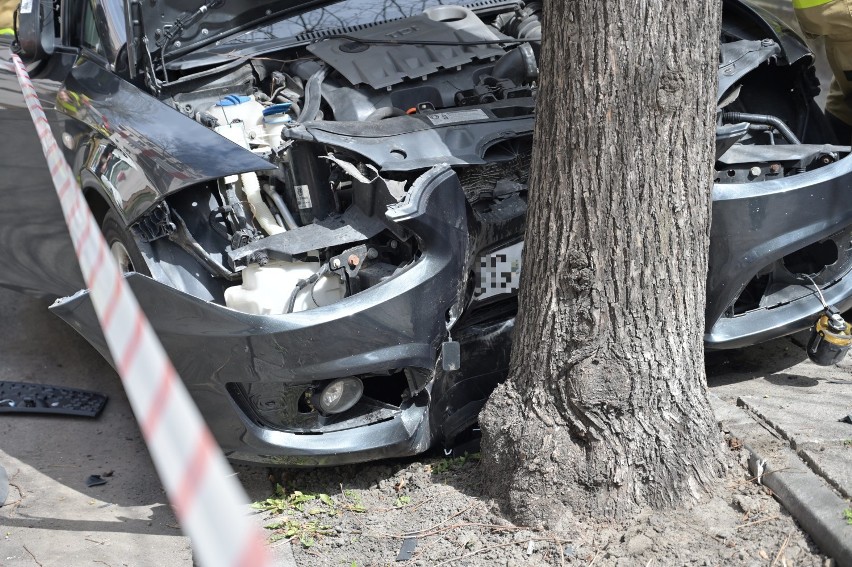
(807, 496)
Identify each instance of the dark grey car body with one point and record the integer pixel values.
(414, 164)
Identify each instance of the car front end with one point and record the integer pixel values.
(322, 206)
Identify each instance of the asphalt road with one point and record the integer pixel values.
(51, 517)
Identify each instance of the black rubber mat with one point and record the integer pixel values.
(23, 397)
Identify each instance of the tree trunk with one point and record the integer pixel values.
(605, 409)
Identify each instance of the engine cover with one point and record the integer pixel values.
(382, 66)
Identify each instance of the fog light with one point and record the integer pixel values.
(339, 396)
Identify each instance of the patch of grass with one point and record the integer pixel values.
(847, 515)
(294, 504)
(453, 463)
(353, 502)
(306, 532)
(282, 502)
(402, 501)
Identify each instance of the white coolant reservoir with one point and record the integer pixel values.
(266, 289)
(275, 118)
(245, 121)
(236, 110)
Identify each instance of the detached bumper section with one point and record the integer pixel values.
(766, 237)
(248, 373)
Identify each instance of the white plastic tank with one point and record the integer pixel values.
(245, 110)
(266, 289)
(259, 125)
(275, 118)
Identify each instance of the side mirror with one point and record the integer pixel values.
(35, 30)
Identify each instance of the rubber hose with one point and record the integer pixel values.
(518, 65)
(524, 24)
(289, 221)
(762, 119)
(262, 214)
(313, 95)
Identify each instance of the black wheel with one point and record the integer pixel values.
(122, 245)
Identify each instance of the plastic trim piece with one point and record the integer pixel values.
(24, 397)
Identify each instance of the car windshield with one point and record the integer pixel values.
(345, 15)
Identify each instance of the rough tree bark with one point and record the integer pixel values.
(605, 409)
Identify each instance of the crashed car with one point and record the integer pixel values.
(321, 205)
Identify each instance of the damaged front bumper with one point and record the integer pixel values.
(768, 239)
(250, 374)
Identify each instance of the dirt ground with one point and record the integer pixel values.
(362, 515)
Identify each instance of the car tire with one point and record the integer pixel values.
(122, 245)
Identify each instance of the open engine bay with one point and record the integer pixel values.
(349, 125)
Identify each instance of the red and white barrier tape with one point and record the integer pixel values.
(208, 500)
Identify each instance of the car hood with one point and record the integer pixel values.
(175, 27)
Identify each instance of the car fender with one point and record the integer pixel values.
(166, 149)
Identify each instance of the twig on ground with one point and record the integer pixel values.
(418, 505)
(780, 551)
(394, 509)
(595, 558)
(445, 520)
(760, 521)
(12, 506)
(432, 530)
(754, 478)
(33, 556)
(424, 534)
(493, 547)
(18, 488)
(422, 548)
(493, 527)
(419, 533)
(354, 516)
